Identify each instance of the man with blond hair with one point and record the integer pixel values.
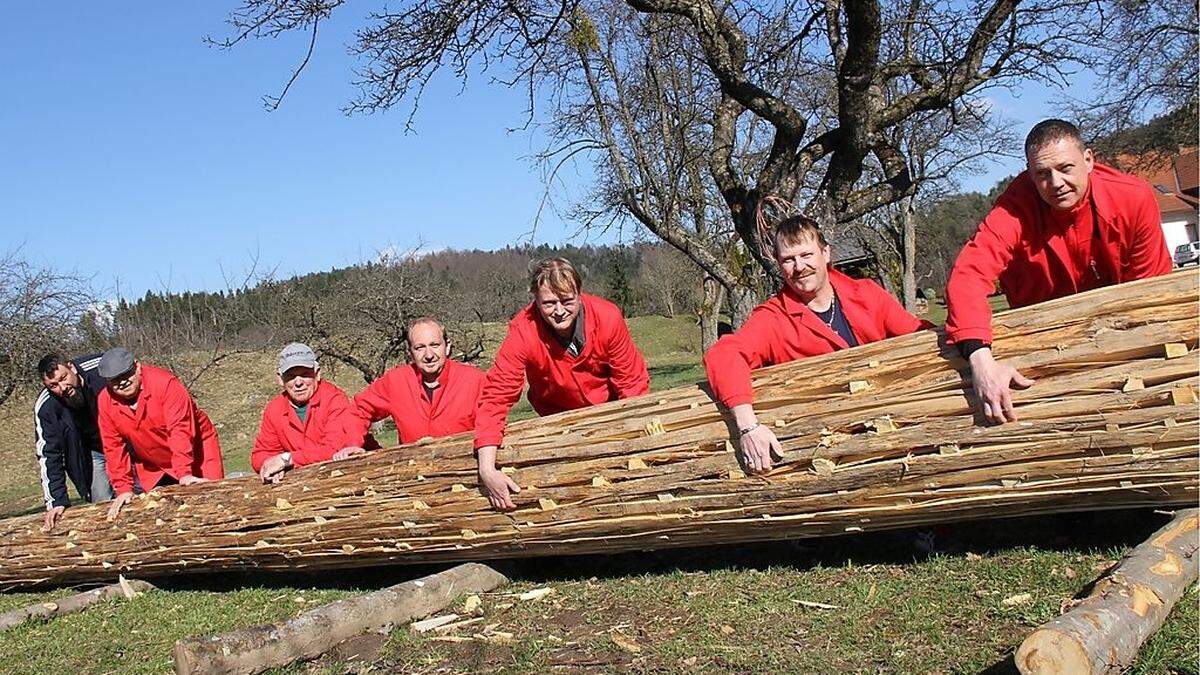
(431, 396)
(574, 350)
(819, 310)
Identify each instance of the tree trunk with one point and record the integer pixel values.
(1103, 632)
(253, 650)
(908, 266)
(75, 603)
(880, 436)
(742, 301)
(710, 311)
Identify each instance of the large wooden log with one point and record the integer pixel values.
(879, 436)
(1102, 634)
(253, 650)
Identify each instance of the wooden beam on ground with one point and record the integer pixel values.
(884, 435)
(125, 588)
(1103, 632)
(253, 650)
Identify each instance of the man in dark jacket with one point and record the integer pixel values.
(67, 435)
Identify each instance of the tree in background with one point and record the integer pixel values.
(40, 310)
(1147, 67)
(735, 100)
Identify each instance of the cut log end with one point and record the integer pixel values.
(1049, 652)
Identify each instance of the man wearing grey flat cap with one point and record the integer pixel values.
(149, 424)
(310, 421)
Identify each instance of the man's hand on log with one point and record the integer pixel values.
(273, 469)
(755, 442)
(51, 518)
(992, 382)
(347, 453)
(493, 483)
(192, 480)
(119, 501)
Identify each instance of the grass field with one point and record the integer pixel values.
(893, 602)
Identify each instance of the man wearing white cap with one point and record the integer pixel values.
(310, 421)
(150, 425)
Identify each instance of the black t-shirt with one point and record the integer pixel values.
(835, 318)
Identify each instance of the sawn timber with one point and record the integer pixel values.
(880, 436)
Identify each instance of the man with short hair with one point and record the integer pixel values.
(310, 421)
(819, 310)
(150, 425)
(575, 351)
(66, 434)
(430, 397)
(1065, 225)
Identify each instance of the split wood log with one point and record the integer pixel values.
(125, 588)
(879, 436)
(253, 650)
(1103, 632)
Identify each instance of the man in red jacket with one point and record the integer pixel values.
(1066, 224)
(310, 421)
(819, 310)
(575, 351)
(170, 440)
(432, 396)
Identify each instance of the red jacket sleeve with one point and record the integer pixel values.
(729, 361)
(179, 414)
(974, 276)
(501, 389)
(267, 443)
(630, 376)
(116, 455)
(370, 405)
(339, 422)
(1148, 255)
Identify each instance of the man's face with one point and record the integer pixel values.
(128, 384)
(299, 383)
(1060, 172)
(557, 310)
(427, 349)
(64, 383)
(804, 264)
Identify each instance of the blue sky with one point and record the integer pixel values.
(134, 152)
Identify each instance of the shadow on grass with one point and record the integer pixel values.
(1083, 532)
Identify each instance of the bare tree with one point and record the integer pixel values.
(40, 310)
(1148, 51)
(695, 111)
(361, 322)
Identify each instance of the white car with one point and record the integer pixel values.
(1187, 253)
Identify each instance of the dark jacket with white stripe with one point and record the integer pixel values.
(65, 438)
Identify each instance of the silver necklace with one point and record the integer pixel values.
(832, 313)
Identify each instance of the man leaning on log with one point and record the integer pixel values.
(310, 421)
(819, 310)
(1066, 224)
(430, 397)
(575, 351)
(152, 431)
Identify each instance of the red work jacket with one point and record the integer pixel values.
(1035, 258)
(328, 426)
(167, 434)
(610, 367)
(784, 329)
(400, 394)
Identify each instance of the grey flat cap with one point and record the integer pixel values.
(296, 354)
(114, 362)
